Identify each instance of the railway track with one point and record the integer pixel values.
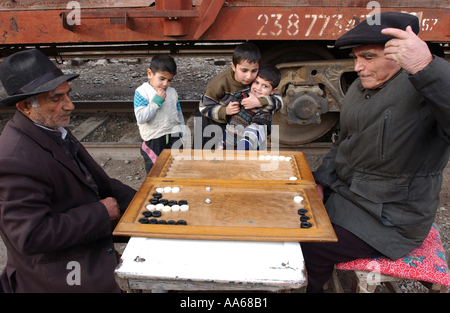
(110, 106)
(93, 116)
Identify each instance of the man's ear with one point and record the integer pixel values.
(24, 106)
(274, 90)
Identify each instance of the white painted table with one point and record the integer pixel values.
(180, 264)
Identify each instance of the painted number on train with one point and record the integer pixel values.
(317, 24)
(275, 24)
(428, 24)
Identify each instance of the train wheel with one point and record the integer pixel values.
(295, 134)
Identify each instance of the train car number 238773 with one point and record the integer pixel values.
(320, 25)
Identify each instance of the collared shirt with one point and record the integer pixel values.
(59, 129)
(70, 145)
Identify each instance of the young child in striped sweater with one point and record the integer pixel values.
(218, 105)
(158, 111)
(248, 130)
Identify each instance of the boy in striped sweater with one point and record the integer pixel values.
(248, 130)
(217, 104)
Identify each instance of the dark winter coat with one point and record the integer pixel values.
(51, 216)
(385, 170)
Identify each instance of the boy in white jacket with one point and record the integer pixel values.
(158, 111)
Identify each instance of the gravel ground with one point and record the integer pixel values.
(117, 80)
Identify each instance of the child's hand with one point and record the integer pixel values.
(161, 92)
(233, 108)
(251, 102)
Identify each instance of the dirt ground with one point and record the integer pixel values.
(117, 80)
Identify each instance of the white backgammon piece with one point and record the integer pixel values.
(150, 207)
(293, 178)
(167, 189)
(298, 199)
(184, 208)
(175, 189)
(159, 189)
(175, 208)
(167, 209)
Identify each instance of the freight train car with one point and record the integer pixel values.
(297, 35)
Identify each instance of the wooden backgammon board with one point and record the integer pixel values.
(233, 195)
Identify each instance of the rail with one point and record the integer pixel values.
(111, 106)
(130, 148)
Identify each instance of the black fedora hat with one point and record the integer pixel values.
(28, 73)
(366, 33)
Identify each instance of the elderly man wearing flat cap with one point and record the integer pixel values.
(384, 173)
(57, 205)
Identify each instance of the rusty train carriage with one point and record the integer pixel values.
(297, 35)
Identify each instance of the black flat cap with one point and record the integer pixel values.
(366, 34)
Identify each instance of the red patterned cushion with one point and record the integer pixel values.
(425, 263)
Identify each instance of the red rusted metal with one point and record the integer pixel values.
(213, 20)
(175, 26)
(209, 10)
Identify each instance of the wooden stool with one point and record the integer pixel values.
(367, 282)
(426, 264)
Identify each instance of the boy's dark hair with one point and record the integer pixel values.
(270, 73)
(163, 63)
(246, 52)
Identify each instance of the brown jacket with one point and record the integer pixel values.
(51, 216)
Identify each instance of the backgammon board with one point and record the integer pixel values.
(223, 195)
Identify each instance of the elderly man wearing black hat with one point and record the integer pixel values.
(384, 173)
(57, 205)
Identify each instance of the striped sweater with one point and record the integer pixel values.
(219, 92)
